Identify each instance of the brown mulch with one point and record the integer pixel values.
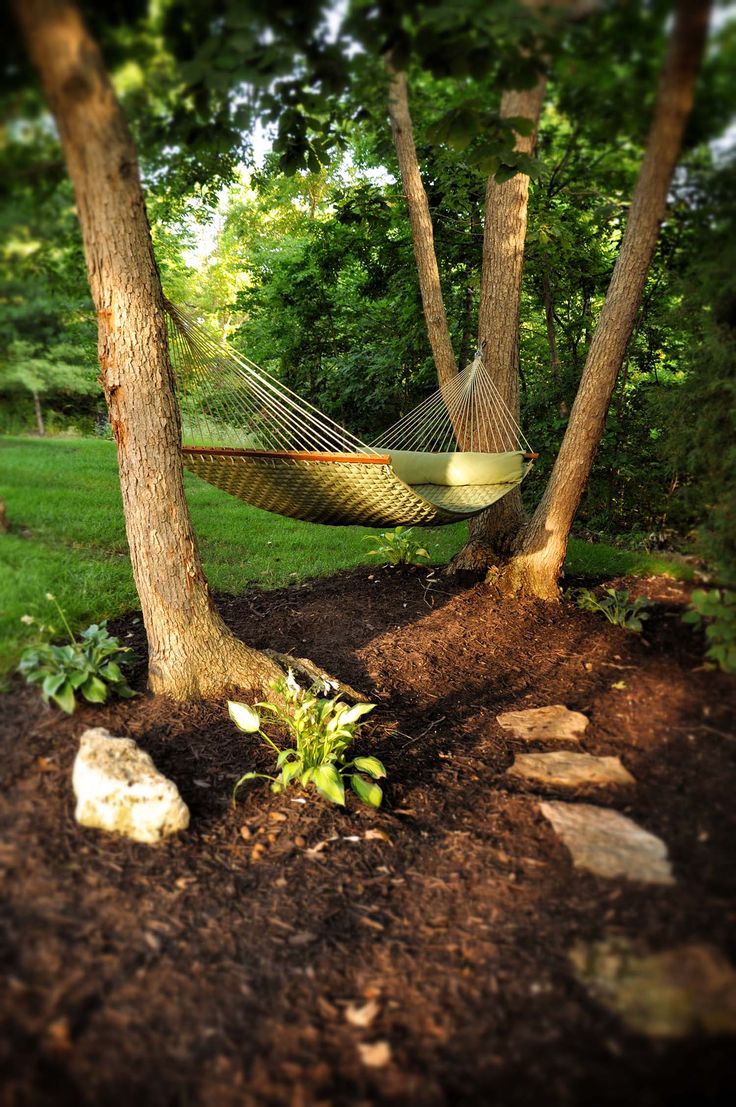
(224, 967)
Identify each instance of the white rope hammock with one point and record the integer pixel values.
(245, 431)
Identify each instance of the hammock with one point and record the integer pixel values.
(246, 433)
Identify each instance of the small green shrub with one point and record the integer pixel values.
(89, 665)
(397, 547)
(616, 605)
(715, 611)
(321, 729)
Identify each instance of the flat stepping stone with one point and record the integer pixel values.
(555, 723)
(687, 990)
(608, 844)
(568, 769)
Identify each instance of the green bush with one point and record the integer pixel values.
(715, 611)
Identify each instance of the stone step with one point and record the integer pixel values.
(554, 723)
(606, 843)
(568, 769)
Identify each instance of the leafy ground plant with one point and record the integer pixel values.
(617, 606)
(715, 610)
(321, 729)
(88, 665)
(397, 547)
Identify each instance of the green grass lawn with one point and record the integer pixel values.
(67, 537)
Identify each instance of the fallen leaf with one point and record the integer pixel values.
(362, 1016)
(377, 835)
(374, 1054)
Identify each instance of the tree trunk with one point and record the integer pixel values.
(422, 232)
(491, 535)
(191, 652)
(38, 413)
(540, 552)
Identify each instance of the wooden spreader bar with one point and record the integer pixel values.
(288, 455)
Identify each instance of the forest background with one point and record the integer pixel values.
(278, 216)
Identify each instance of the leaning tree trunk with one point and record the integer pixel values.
(422, 233)
(540, 551)
(191, 652)
(491, 535)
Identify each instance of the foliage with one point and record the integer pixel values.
(88, 665)
(397, 547)
(616, 605)
(715, 611)
(322, 730)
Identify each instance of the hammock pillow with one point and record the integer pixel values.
(456, 469)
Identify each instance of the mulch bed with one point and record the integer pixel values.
(223, 968)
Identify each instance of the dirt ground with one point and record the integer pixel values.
(231, 965)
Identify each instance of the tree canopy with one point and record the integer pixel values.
(302, 255)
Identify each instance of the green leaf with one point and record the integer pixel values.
(111, 672)
(245, 718)
(52, 683)
(356, 712)
(289, 772)
(329, 783)
(94, 690)
(65, 698)
(370, 765)
(505, 173)
(366, 790)
(520, 123)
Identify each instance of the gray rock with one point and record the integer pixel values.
(119, 789)
(568, 769)
(608, 844)
(687, 990)
(555, 723)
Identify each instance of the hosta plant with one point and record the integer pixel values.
(321, 731)
(617, 606)
(88, 666)
(397, 547)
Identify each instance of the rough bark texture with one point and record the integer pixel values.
(492, 534)
(540, 553)
(192, 654)
(422, 232)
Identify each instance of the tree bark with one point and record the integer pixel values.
(40, 426)
(422, 232)
(491, 535)
(191, 652)
(540, 551)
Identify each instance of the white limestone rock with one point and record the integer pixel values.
(119, 789)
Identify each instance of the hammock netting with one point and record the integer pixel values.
(247, 433)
